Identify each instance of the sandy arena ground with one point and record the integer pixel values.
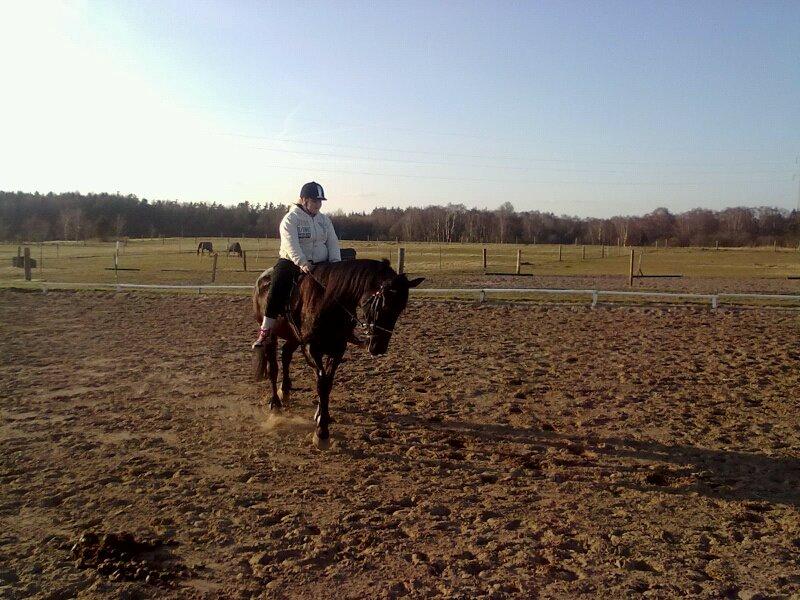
(499, 451)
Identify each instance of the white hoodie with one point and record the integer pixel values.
(306, 239)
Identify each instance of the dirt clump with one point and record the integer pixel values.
(121, 557)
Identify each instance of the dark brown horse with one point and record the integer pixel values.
(322, 315)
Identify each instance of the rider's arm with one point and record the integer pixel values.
(334, 252)
(291, 243)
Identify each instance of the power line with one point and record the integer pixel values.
(429, 163)
(599, 143)
(497, 157)
(473, 165)
(482, 180)
(798, 183)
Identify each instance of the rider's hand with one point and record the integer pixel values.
(306, 268)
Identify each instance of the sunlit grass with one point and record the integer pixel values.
(175, 261)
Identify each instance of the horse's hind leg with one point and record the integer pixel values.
(286, 360)
(272, 367)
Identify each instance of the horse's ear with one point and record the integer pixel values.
(415, 282)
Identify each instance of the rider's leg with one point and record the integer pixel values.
(282, 280)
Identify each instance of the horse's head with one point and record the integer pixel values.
(383, 308)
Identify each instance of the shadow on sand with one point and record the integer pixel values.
(638, 464)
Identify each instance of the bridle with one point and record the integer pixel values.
(372, 307)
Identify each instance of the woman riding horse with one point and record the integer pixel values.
(307, 237)
(322, 314)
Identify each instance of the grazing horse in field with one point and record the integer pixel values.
(202, 247)
(236, 248)
(321, 317)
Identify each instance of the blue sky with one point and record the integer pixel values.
(582, 108)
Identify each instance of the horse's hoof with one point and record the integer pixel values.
(284, 396)
(322, 443)
(275, 407)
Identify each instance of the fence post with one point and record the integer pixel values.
(57, 249)
(214, 268)
(484, 256)
(583, 250)
(559, 253)
(401, 259)
(519, 260)
(116, 274)
(244, 260)
(440, 257)
(41, 259)
(603, 251)
(27, 261)
(630, 277)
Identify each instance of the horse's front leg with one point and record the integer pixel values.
(325, 372)
(286, 359)
(271, 350)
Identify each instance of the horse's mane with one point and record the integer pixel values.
(347, 281)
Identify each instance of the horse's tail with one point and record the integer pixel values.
(260, 291)
(260, 364)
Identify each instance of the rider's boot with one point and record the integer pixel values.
(264, 333)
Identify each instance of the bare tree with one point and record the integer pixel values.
(119, 226)
(65, 221)
(622, 226)
(504, 219)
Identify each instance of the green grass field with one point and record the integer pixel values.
(174, 261)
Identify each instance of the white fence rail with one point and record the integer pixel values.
(481, 293)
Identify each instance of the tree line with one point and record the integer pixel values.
(35, 217)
